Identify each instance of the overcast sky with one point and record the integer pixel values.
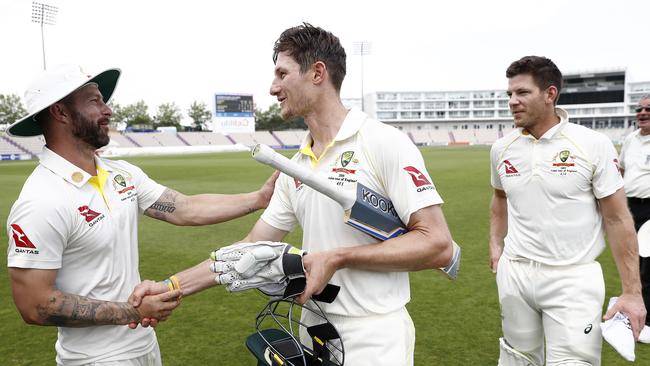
(181, 51)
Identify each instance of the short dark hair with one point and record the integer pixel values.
(544, 72)
(308, 44)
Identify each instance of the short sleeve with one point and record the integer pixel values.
(607, 178)
(279, 213)
(38, 232)
(400, 167)
(149, 191)
(495, 179)
(623, 155)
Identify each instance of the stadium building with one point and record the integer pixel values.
(601, 100)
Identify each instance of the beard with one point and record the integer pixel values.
(89, 131)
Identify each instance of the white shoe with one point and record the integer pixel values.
(644, 337)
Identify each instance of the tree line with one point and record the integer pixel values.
(136, 115)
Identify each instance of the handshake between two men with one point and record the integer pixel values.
(274, 268)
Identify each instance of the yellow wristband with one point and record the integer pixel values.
(175, 282)
(169, 284)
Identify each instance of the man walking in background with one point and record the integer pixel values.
(556, 185)
(635, 168)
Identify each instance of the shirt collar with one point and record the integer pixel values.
(564, 119)
(640, 137)
(65, 169)
(350, 126)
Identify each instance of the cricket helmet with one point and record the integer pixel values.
(281, 337)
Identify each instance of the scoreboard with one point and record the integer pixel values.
(234, 105)
(233, 113)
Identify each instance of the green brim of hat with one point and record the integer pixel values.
(27, 126)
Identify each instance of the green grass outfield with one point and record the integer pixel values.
(457, 323)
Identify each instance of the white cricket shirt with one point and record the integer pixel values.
(62, 221)
(383, 159)
(635, 159)
(552, 185)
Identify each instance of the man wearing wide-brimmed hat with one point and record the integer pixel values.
(73, 247)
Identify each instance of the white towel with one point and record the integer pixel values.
(644, 337)
(617, 331)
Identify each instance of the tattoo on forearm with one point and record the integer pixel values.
(77, 311)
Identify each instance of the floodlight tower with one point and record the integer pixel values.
(44, 14)
(362, 48)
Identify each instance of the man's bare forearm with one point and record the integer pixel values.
(197, 278)
(619, 227)
(202, 209)
(67, 310)
(498, 218)
(623, 245)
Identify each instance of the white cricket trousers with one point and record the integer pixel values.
(373, 340)
(561, 305)
(150, 359)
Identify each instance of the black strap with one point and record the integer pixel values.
(295, 287)
(321, 334)
(292, 265)
(293, 268)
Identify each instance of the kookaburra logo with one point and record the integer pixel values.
(378, 202)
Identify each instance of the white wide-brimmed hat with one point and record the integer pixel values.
(55, 84)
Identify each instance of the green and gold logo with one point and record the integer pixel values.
(346, 157)
(564, 155)
(119, 179)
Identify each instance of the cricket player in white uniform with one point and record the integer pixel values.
(556, 187)
(73, 245)
(635, 168)
(347, 146)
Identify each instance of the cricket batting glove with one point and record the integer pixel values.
(264, 265)
(452, 268)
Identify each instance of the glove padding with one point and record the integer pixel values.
(267, 266)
